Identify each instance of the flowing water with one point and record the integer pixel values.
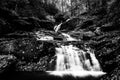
(74, 61)
(71, 58)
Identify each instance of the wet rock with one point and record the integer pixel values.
(11, 22)
(82, 34)
(27, 49)
(106, 46)
(86, 24)
(44, 64)
(114, 75)
(70, 24)
(31, 55)
(6, 61)
(25, 17)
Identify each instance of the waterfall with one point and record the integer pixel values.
(57, 27)
(73, 60)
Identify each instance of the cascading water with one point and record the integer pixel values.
(73, 60)
(57, 27)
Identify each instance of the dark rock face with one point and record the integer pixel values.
(32, 49)
(25, 15)
(107, 52)
(45, 63)
(31, 55)
(11, 21)
(6, 62)
(114, 75)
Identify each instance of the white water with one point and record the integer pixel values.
(71, 58)
(68, 37)
(74, 61)
(43, 37)
(57, 27)
(77, 73)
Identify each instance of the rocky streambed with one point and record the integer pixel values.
(32, 54)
